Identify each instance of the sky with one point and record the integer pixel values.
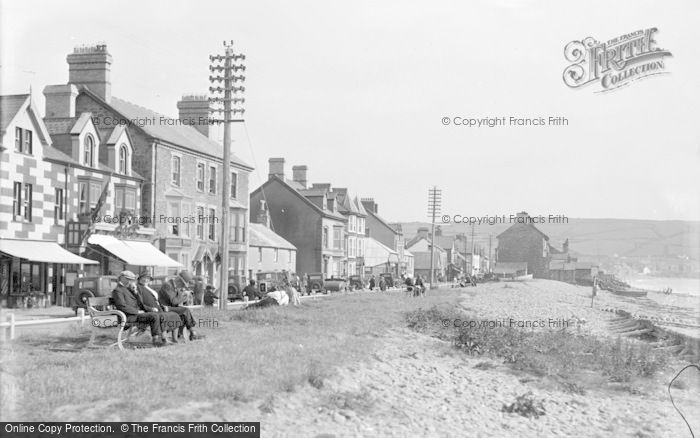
(357, 91)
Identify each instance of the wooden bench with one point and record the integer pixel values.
(109, 318)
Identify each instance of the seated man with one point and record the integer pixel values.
(173, 320)
(126, 298)
(251, 291)
(174, 294)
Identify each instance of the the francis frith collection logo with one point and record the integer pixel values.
(616, 62)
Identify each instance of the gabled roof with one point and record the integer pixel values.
(116, 133)
(179, 135)
(532, 226)
(284, 183)
(262, 236)
(381, 221)
(9, 108)
(360, 208)
(80, 124)
(12, 105)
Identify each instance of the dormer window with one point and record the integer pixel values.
(89, 151)
(123, 157)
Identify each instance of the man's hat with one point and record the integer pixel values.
(186, 276)
(128, 274)
(145, 274)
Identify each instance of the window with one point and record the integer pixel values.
(175, 218)
(289, 256)
(130, 200)
(175, 256)
(176, 171)
(234, 185)
(337, 238)
(212, 224)
(277, 255)
(23, 140)
(18, 139)
(27, 141)
(118, 199)
(200, 177)
(185, 260)
(325, 237)
(89, 151)
(17, 201)
(237, 227)
(200, 223)
(351, 223)
(27, 202)
(95, 192)
(260, 254)
(212, 179)
(58, 206)
(122, 159)
(83, 197)
(185, 225)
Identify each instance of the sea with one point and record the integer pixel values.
(685, 286)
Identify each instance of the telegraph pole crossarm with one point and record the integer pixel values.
(231, 107)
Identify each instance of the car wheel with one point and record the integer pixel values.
(83, 297)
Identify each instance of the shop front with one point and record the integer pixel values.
(32, 272)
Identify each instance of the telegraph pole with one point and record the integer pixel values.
(231, 107)
(434, 204)
(490, 259)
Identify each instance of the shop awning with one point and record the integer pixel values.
(133, 252)
(41, 251)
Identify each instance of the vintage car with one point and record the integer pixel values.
(389, 280)
(270, 281)
(236, 284)
(335, 284)
(85, 287)
(315, 283)
(356, 282)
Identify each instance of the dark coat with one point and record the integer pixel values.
(170, 295)
(149, 300)
(127, 301)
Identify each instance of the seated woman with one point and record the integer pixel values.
(276, 298)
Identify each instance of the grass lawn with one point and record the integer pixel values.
(249, 357)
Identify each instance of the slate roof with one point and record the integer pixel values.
(180, 135)
(9, 107)
(262, 236)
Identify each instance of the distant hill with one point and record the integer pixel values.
(597, 237)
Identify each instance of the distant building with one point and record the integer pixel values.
(421, 247)
(308, 218)
(523, 242)
(510, 269)
(267, 250)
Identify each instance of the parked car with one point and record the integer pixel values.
(236, 284)
(356, 282)
(86, 287)
(389, 279)
(315, 283)
(336, 284)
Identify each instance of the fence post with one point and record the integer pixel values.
(81, 314)
(11, 320)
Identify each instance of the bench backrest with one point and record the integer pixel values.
(93, 303)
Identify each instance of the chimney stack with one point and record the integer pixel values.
(370, 205)
(195, 110)
(299, 175)
(90, 66)
(423, 232)
(60, 100)
(276, 168)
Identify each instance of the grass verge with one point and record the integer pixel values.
(247, 357)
